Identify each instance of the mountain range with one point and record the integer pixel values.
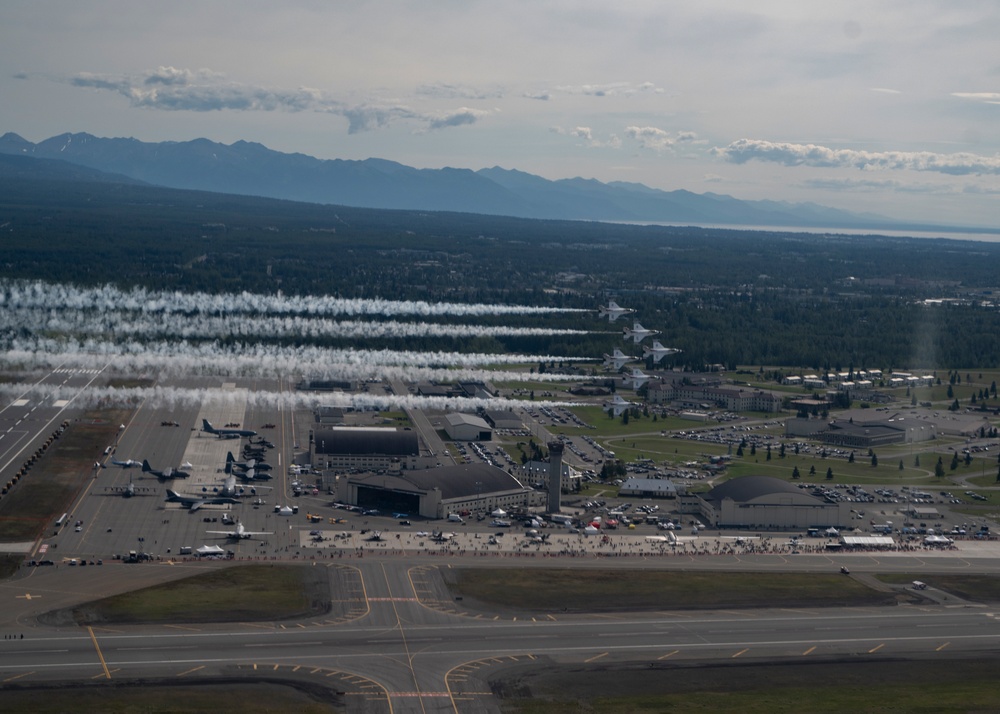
(252, 169)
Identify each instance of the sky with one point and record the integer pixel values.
(891, 107)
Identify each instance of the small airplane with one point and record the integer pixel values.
(617, 405)
(167, 473)
(636, 379)
(638, 333)
(375, 537)
(241, 533)
(658, 351)
(245, 465)
(612, 311)
(617, 359)
(193, 503)
(207, 427)
(127, 463)
(442, 537)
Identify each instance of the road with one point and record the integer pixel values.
(396, 635)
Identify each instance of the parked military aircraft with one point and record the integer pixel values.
(375, 537)
(193, 503)
(245, 465)
(617, 359)
(658, 351)
(167, 473)
(207, 427)
(127, 463)
(612, 311)
(638, 333)
(241, 533)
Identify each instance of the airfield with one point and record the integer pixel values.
(393, 638)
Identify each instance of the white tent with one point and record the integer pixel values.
(499, 513)
(210, 550)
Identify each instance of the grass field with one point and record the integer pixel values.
(235, 594)
(569, 590)
(53, 481)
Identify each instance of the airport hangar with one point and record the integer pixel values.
(765, 503)
(364, 448)
(436, 492)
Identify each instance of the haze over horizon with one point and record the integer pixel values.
(889, 108)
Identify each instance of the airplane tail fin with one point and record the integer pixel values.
(229, 457)
(146, 468)
(206, 425)
(172, 494)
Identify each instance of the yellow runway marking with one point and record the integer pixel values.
(808, 651)
(740, 652)
(876, 649)
(17, 676)
(942, 646)
(104, 665)
(669, 654)
(193, 669)
(596, 657)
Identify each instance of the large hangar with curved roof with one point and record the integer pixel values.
(436, 492)
(767, 503)
(358, 447)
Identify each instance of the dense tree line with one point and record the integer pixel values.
(723, 296)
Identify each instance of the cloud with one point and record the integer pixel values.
(459, 117)
(541, 96)
(587, 135)
(651, 137)
(960, 164)
(884, 90)
(611, 89)
(178, 89)
(985, 97)
(457, 91)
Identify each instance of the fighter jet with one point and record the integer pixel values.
(167, 473)
(612, 311)
(638, 333)
(636, 379)
(241, 533)
(617, 359)
(658, 351)
(206, 426)
(617, 405)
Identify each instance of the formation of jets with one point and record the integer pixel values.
(635, 379)
(617, 405)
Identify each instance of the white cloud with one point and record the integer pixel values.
(611, 89)
(651, 137)
(458, 117)
(744, 150)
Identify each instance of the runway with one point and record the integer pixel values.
(398, 630)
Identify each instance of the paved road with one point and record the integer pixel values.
(395, 633)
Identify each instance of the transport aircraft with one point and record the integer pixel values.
(167, 473)
(193, 503)
(241, 533)
(207, 427)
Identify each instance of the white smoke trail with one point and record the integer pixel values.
(19, 294)
(178, 359)
(163, 397)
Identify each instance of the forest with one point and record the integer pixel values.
(805, 301)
